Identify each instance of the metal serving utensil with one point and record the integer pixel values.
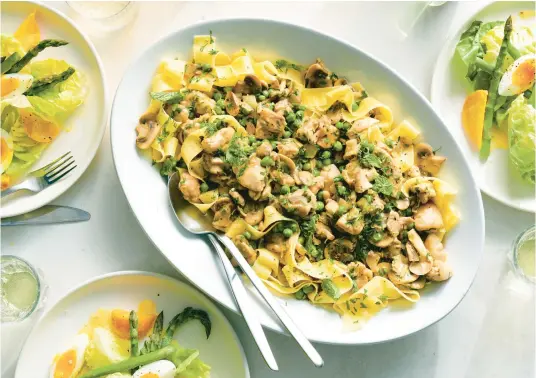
(195, 222)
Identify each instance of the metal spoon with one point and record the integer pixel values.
(197, 223)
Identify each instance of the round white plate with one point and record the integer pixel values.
(87, 124)
(57, 327)
(147, 193)
(496, 177)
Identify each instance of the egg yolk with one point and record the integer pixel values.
(146, 317)
(4, 150)
(65, 364)
(150, 375)
(9, 84)
(5, 182)
(37, 128)
(524, 73)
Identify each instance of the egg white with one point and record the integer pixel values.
(162, 369)
(80, 345)
(506, 85)
(23, 82)
(7, 154)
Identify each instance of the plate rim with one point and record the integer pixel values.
(103, 123)
(142, 273)
(231, 305)
(435, 89)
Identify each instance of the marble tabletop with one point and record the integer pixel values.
(490, 334)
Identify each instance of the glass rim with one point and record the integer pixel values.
(128, 3)
(522, 237)
(37, 279)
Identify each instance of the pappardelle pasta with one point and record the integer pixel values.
(326, 197)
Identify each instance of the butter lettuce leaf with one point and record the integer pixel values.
(522, 138)
(10, 45)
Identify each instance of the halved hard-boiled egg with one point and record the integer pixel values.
(6, 150)
(519, 76)
(105, 348)
(69, 363)
(146, 317)
(38, 128)
(158, 369)
(16, 84)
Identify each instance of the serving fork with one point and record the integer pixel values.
(45, 176)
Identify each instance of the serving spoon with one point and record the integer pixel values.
(195, 222)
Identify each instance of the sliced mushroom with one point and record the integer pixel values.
(427, 160)
(237, 197)
(247, 250)
(412, 253)
(147, 133)
(372, 260)
(232, 104)
(428, 217)
(440, 271)
(316, 76)
(223, 210)
(352, 222)
(418, 284)
(402, 204)
(417, 242)
(385, 242)
(383, 269)
(400, 273)
(359, 273)
(434, 245)
(420, 268)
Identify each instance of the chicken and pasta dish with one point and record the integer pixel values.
(325, 195)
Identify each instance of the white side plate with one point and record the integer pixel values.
(57, 327)
(87, 124)
(496, 177)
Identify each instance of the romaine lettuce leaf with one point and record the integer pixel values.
(469, 47)
(59, 102)
(522, 138)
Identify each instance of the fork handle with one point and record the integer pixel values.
(14, 189)
(244, 304)
(300, 338)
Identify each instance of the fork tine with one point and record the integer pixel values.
(44, 168)
(66, 165)
(55, 179)
(61, 163)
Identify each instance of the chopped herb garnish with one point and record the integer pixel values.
(167, 97)
(330, 288)
(383, 185)
(284, 65)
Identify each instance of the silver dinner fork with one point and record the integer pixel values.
(44, 176)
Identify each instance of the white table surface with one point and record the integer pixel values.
(490, 334)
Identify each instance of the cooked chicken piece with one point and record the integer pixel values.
(427, 160)
(425, 191)
(253, 176)
(326, 135)
(304, 178)
(264, 195)
(331, 207)
(400, 273)
(264, 149)
(307, 131)
(428, 217)
(276, 243)
(384, 242)
(371, 203)
(223, 210)
(269, 124)
(237, 197)
(282, 178)
(218, 141)
(394, 165)
(252, 212)
(213, 165)
(329, 173)
(300, 202)
(434, 245)
(358, 177)
(316, 76)
(232, 104)
(203, 103)
(318, 184)
(352, 222)
(359, 273)
(289, 147)
(440, 271)
(250, 85)
(413, 171)
(341, 250)
(190, 187)
(282, 106)
(352, 147)
(360, 125)
(147, 133)
(396, 223)
(416, 240)
(372, 260)
(247, 250)
(323, 231)
(412, 253)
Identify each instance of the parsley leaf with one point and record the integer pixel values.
(168, 166)
(383, 185)
(284, 65)
(167, 97)
(238, 152)
(330, 288)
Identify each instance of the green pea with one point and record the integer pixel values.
(261, 97)
(302, 108)
(247, 235)
(320, 195)
(285, 189)
(341, 210)
(316, 172)
(294, 227)
(274, 145)
(218, 110)
(301, 240)
(278, 227)
(389, 142)
(267, 161)
(307, 166)
(287, 134)
(265, 93)
(342, 190)
(340, 125)
(287, 232)
(377, 236)
(245, 111)
(354, 106)
(319, 206)
(325, 155)
(299, 295)
(337, 146)
(368, 198)
(411, 225)
(326, 162)
(308, 289)
(221, 103)
(291, 117)
(216, 96)
(204, 187)
(299, 114)
(252, 139)
(293, 188)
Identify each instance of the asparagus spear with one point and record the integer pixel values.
(493, 91)
(42, 84)
(32, 53)
(131, 363)
(134, 341)
(187, 314)
(155, 340)
(8, 62)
